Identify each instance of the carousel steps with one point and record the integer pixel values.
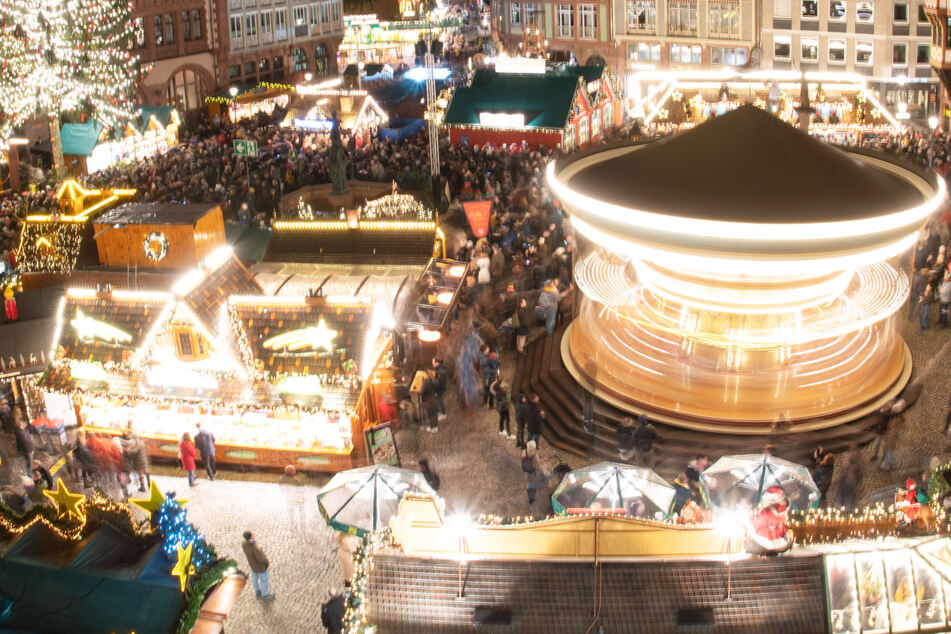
(541, 371)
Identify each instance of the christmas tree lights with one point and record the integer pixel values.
(177, 532)
(62, 56)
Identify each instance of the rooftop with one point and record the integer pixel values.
(156, 214)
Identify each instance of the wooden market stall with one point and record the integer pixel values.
(278, 380)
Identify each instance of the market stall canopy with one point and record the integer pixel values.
(440, 284)
(543, 100)
(361, 501)
(741, 480)
(163, 115)
(639, 492)
(79, 139)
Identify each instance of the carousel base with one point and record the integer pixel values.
(542, 371)
(816, 421)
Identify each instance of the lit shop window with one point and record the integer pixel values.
(837, 51)
(782, 45)
(810, 50)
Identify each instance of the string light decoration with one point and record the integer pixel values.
(355, 614)
(49, 247)
(177, 532)
(63, 56)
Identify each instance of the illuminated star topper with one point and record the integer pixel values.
(183, 566)
(319, 337)
(66, 503)
(89, 328)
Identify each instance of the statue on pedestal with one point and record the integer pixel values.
(337, 160)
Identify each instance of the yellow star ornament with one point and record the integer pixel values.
(183, 567)
(67, 503)
(155, 500)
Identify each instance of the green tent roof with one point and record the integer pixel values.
(545, 100)
(79, 139)
(162, 113)
(587, 73)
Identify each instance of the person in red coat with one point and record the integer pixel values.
(769, 534)
(186, 453)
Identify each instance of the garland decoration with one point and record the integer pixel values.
(155, 246)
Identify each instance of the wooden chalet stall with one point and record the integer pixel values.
(88, 148)
(278, 380)
(571, 107)
(159, 235)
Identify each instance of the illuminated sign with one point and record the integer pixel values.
(89, 328)
(319, 337)
(313, 124)
(502, 119)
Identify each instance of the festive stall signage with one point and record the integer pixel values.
(478, 214)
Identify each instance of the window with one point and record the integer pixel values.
(921, 12)
(196, 24)
(782, 46)
(607, 116)
(169, 29)
(863, 52)
(278, 62)
(184, 344)
(583, 131)
(300, 60)
(645, 52)
(864, 12)
(923, 55)
(901, 13)
(587, 21)
(566, 20)
(186, 27)
(810, 50)
(724, 19)
(236, 27)
(265, 25)
(187, 90)
(516, 13)
(139, 32)
(529, 14)
(685, 54)
(641, 15)
(837, 10)
(837, 51)
(300, 15)
(810, 9)
(682, 18)
(325, 13)
(233, 71)
(157, 29)
(335, 10)
(728, 56)
(570, 137)
(312, 15)
(595, 123)
(781, 9)
(264, 64)
(251, 25)
(900, 54)
(280, 24)
(249, 69)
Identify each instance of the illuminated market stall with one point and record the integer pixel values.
(248, 100)
(279, 380)
(370, 40)
(314, 107)
(152, 132)
(570, 107)
(746, 301)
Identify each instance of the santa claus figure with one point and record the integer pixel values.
(768, 531)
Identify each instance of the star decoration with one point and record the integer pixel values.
(183, 568)
(66, 503)
(319, 337)
(155, 500)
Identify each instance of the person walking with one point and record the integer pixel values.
(259, 564)
(490, 372)
(625, 439)
(332, 612)
(530, 469)
(822, 476)
(522, 324)
(944, 299)
(500, 391)
(186, 453)
(139, 459)
(644, 437)
(441, 384)
(24, 443)
(534, 418)
(521, 417)
(205, 444)
(925, 300)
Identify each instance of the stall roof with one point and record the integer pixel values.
(331, 242)
(79, 139)
(545, 100)
(162, 113)
(140, 213)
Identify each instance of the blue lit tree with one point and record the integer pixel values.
(177, 531)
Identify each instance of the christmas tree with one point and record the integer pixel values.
(66, 56)
(177, 532)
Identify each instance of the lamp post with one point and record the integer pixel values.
(933, 124)
(233, 91)
(308, 77)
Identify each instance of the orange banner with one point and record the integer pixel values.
(478, 214)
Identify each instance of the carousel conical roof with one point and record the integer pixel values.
(746, 166)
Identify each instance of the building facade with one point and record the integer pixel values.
(686, 34)
(277, 40)
(581, 29)
(176, 40)
(887, 41)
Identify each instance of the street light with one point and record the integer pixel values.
(233, 91)
(308, 76)
(933, 123)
